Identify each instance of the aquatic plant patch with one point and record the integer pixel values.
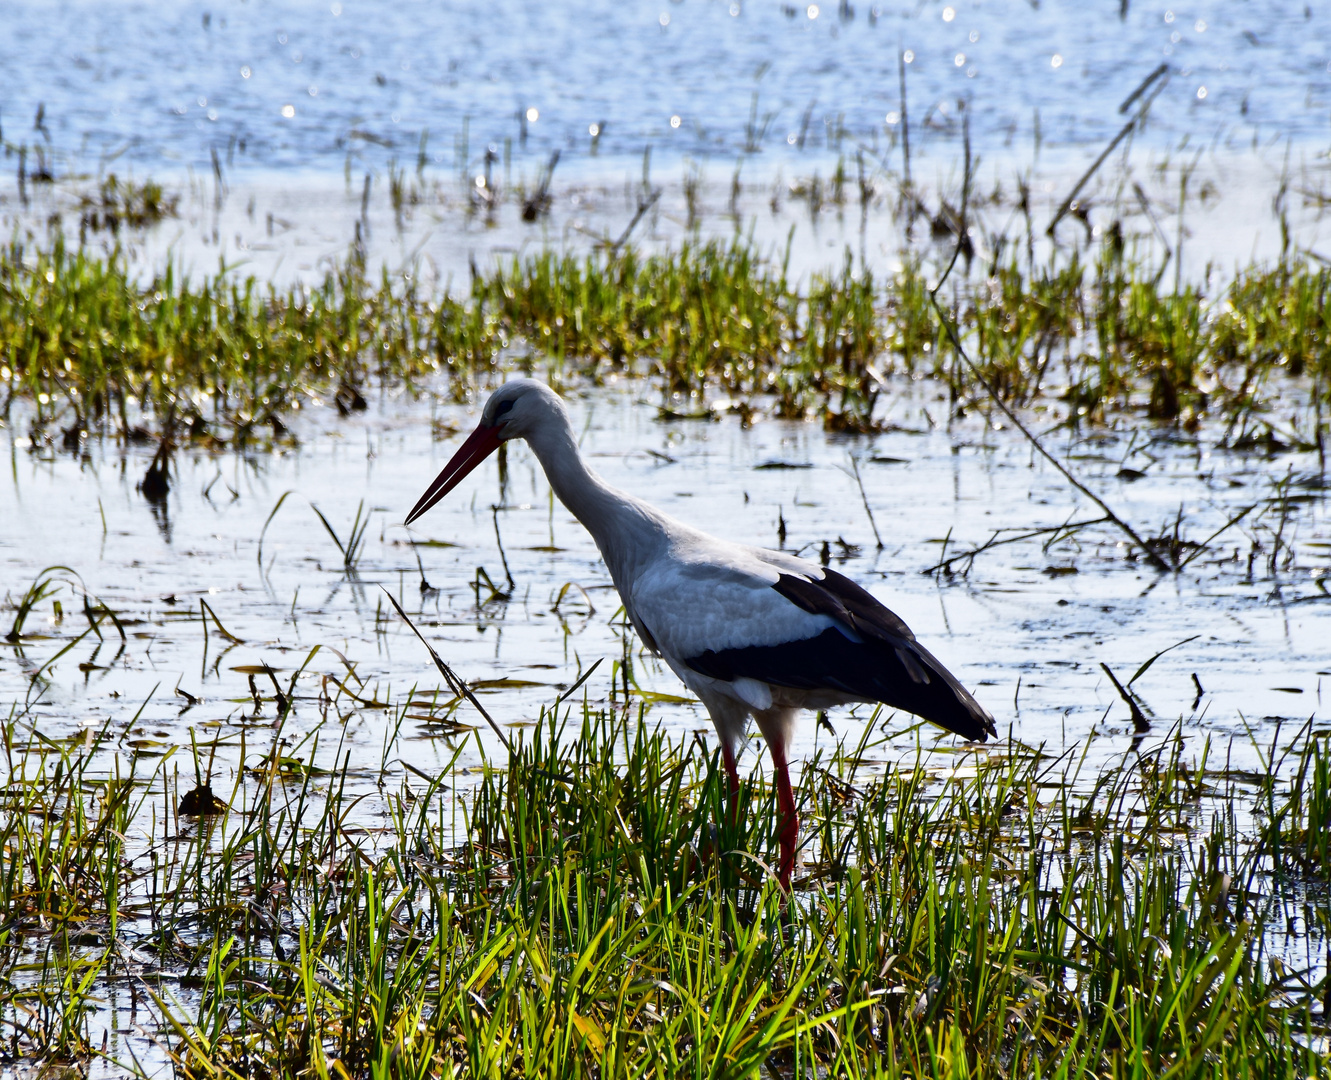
(225, 359)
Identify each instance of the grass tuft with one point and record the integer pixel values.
(582, 913)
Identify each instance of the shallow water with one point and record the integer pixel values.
(1044, 619)
(1026, 628)
(154, 90)
(157, 88)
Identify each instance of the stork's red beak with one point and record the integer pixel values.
(480, 444)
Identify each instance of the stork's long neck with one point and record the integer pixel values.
(627, 531)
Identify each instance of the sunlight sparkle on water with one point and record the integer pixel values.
(425, 85)
(533, 114)
(1056, 61)
(288, 111)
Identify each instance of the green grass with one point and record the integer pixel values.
(91, 347)
(225, 359)
(589, 907)
(1297, 834)
(582, 913)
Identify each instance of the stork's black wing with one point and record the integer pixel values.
(870, 654)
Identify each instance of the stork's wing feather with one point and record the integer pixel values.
(710, 595)
(827, 633)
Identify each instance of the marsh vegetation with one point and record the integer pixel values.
(257, 887)
(1088, 333)
(580, 913)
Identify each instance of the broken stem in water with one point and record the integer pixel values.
(455, 683)
(855, 472)
(1123, 133)
(1151, 555)
(946, 564)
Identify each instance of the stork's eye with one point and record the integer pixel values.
(504, 407)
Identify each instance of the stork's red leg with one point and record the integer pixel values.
(732, 775)
(789, 816)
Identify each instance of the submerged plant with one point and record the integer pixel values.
(126, 203)
(352, 549)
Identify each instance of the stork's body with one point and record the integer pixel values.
(751, 632)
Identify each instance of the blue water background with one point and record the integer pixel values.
(159, 87)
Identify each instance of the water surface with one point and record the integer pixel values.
(1026, 628)
(159, 88)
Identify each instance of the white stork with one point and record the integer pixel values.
(751, 632)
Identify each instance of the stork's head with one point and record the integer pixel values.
(515, 411)
(519, 408)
